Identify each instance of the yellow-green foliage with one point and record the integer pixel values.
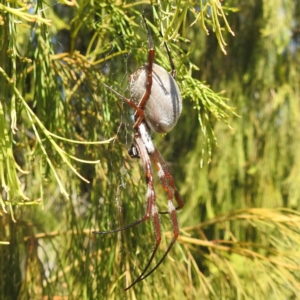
(65, 171)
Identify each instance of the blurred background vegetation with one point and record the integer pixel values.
(65, 171)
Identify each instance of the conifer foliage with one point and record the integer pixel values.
(65, 170)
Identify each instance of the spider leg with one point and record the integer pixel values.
(142, 145)
(138, 116)
(138, 110)
(166, 179)
(150, 187)
(151, 203)
(174, 221)
(173, 69)
(145, 148)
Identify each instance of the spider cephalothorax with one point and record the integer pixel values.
(157, 102)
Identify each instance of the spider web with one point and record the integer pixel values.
(130, 196)
(124, 200)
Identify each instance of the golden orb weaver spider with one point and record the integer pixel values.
(157, 102)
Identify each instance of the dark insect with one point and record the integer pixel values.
(157, 102)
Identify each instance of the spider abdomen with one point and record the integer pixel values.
(164, 105)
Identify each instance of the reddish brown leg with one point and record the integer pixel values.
(151, 203)
(173, 217)
(166, 179)
(145, 147)
(151, 197)
(139, 109)
(128, 101)
(138, 116)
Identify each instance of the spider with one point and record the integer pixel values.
(157, 102)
